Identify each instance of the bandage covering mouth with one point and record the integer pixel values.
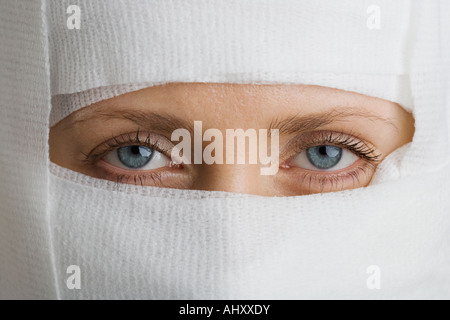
(146, 242)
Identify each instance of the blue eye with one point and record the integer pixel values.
(324, 157)
(135, 157)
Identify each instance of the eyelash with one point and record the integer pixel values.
(339, 139)
(123, 140)
(151, 141)
(362, 149)
(334, 180)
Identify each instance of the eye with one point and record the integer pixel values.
(136, 157)
(324, 157)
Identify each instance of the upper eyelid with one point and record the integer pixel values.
(152, 140)
(299, 144)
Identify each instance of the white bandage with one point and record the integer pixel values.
(389, 240)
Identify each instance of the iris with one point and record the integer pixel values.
(135, 157)
(324, 157)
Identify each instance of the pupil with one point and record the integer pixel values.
(135, 150)
(323, 150)
(135, 156)
(324, 157)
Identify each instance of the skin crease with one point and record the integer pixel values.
(232, 106)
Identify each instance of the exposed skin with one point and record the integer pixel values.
(381, 124)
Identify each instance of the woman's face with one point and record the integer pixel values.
(329, 139)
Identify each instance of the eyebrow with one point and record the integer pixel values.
(296, 124)
(145, 119)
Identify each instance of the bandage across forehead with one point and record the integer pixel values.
(389, 240)
(127, 45)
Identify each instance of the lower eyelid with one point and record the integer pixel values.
(307, 181)
(358, 163)
(136, 176)
(163, 178)
(111, 167)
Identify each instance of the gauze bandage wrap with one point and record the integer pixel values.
(212, 245)
(326, 43)
(389, 240)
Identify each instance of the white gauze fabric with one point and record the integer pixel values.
(145, 242)
(227, 41)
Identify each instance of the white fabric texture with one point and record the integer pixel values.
(145, 242)
(229, 41)
(26, 265)
(213, 245)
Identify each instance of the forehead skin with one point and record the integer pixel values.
(225, 106)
